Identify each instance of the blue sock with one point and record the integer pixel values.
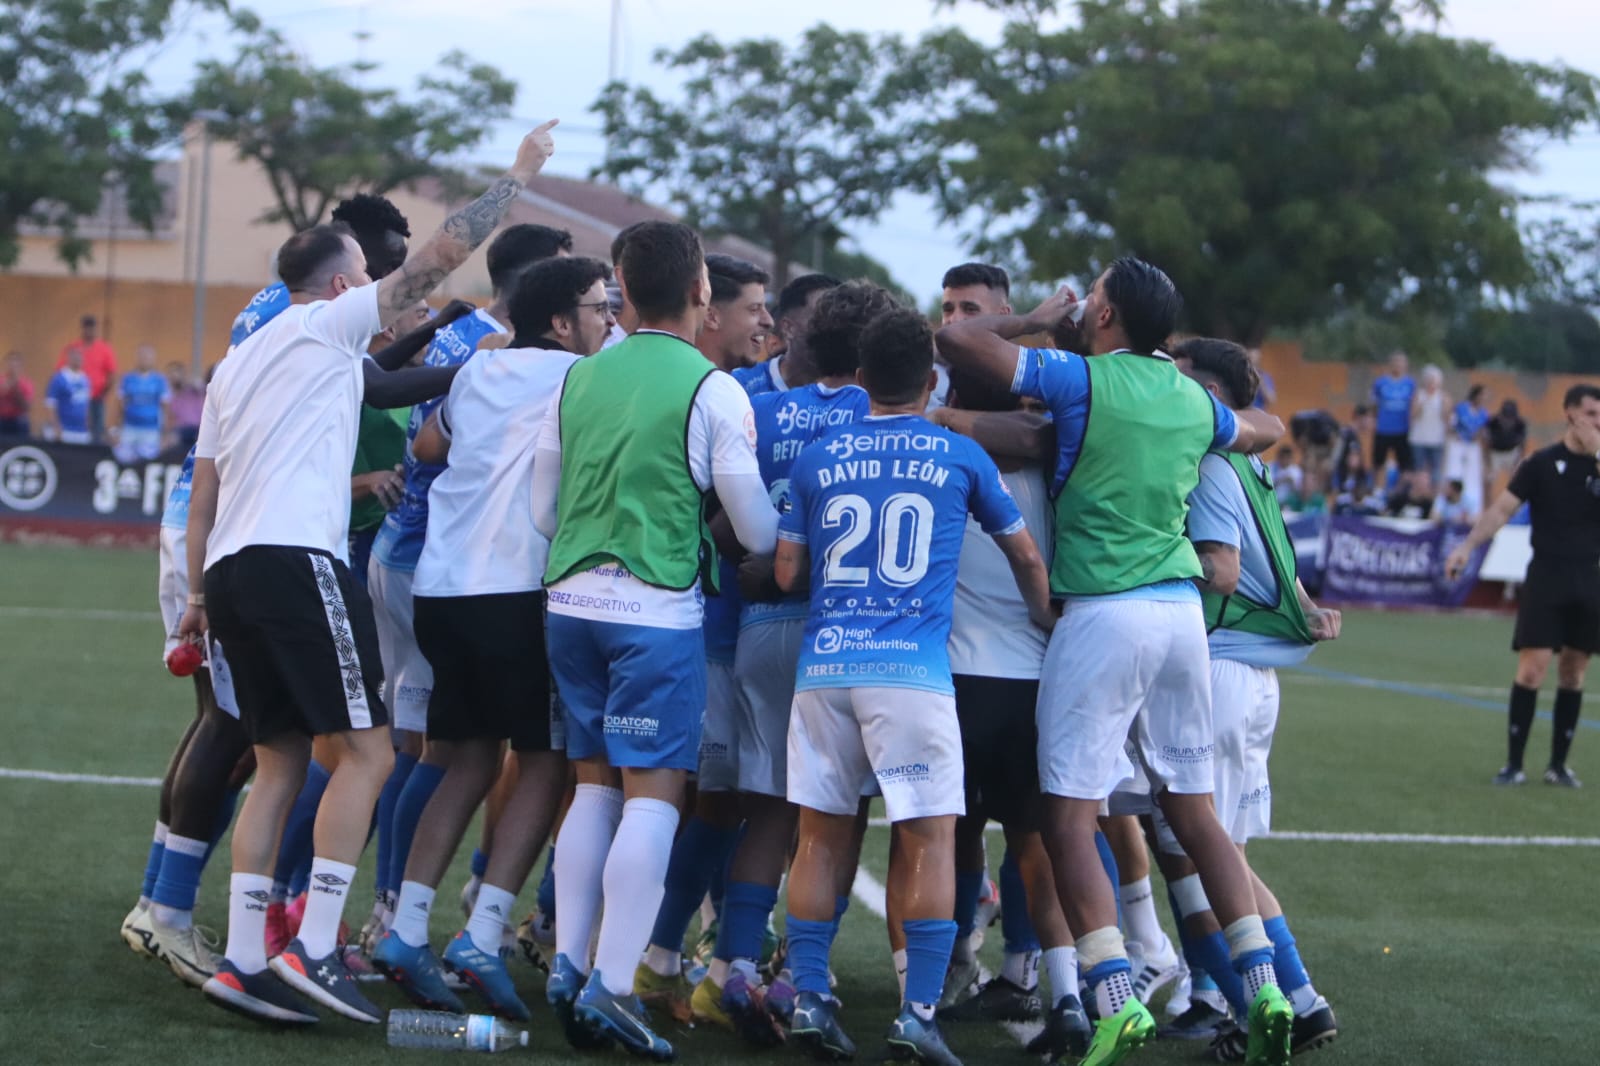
(969, 885)
(1016, 926)
(1200, 980)
(480, 863)
(152, 868)
(408, 808)
(809, 944)
(1285, 956)
(179, 880)
(928, 945)
(404, 763)
(546, 900)
(745, 909)
(717, 887)
(295, 850)
(700, 851)
(1109, 860)
(840, 905)
(1212, 953)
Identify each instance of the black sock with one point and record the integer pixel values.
(1568, 703)
(1524, 701)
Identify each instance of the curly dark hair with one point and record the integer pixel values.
(1223, 362)
(379, 228)
(896, 356)
(551, 287)
(837, 318)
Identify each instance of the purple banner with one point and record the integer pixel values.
(1368, 562)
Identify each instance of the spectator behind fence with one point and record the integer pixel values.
(1507, 437)
(145, 396)
(1352, 490)
(1287, 479)
(188, 400)
(1316, 434)
(99, 362)
(1392, 395)
(1412, 496)
(1266, 388)
(1430, 411)
(1452, 507)
(67, 400)
(16, 399)
(1463, 455)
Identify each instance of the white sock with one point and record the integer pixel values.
(663, 962)
(634, 879)
(330, 884)
(171, 917)
(1139, 915)
(717, 972)
(900, 971)
(411, 913)
(1304, 999)
(581, 850)
(247, 921)
(1021, 968)
(748, 968)
(490, 916)
(1061, 969)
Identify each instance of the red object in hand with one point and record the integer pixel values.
(184, 660)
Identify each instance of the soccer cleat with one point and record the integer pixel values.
(1230, 1044)
(1117, 1037)
(186, 953)
(705, 1006)
(961, 981)
(259, 995)
(1152, 974)
(1201, 1021)
(561, 991)
(486, 972)
(913, 1040)
(1316, 1028)
(671, 994)
(535, 937)
(278, 935)
(1066, 1031)
(326, 980)
(781, 994)
(620, 1018)
(1560, 775)
(377, 924)
(745, 1002)
(1511, 775)
(416, 971)
(138, 932)
(1271, 1029)
(816, 1029)
(999, 1000)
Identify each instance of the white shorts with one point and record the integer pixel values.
(764, 670)
(1244, 701)
(172, 590)
(719, 732)
(408, 679)
(842, 740)
(1118, 670)
(136, 444)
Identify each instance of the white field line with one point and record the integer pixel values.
(1396, 838)
(1298, 678)
(77, 779)
(84, 614)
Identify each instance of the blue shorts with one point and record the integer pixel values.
(633, 695)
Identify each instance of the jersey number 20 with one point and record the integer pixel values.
(905, 529)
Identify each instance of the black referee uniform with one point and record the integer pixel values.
(1559, 605)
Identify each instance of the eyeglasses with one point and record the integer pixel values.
(603, 305)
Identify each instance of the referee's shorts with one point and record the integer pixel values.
(1558, 607)
(300, 639)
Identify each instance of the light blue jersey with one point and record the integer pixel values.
(263, 307)
(762, 378)
(1219, 512)
(786, 422)
(882, 505)
(399, 541)
(143, 394)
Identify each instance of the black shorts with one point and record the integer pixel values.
(1000, 747)
(1385, 444)
(301, 642)
(491, 677)
(1558, 607)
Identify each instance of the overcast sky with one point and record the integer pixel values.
(557, 50)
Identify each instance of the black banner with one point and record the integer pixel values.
(43, 481)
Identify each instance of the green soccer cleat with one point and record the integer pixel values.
(1117, 1037)
(1271, 1029)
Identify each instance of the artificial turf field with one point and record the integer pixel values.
(1459, 952)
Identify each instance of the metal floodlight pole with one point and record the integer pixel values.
(197, 341)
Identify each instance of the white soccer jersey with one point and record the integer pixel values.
(481, 538)
(280, 422)
(991, 634)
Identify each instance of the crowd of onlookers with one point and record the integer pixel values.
(153, 410)
(1412, 451)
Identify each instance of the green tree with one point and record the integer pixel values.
(772, 143)
(1280, 158)
(1565, 252)
(77, 112)
(317, 134)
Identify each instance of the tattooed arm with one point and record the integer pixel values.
(463, 231)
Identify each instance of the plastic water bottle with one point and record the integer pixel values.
(441, 1031)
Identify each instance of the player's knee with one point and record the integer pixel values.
(1531, 668)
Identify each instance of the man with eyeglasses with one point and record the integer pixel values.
(1558, 616)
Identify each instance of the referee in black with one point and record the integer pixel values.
(1559, 612)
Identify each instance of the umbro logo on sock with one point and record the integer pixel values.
(332, 880)
(260, 896)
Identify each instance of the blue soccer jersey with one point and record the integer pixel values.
(762, 378)
(786, 422)
(882, 507)
(399, 541)
(143, 394)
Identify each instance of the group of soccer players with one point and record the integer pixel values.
(694, 615)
